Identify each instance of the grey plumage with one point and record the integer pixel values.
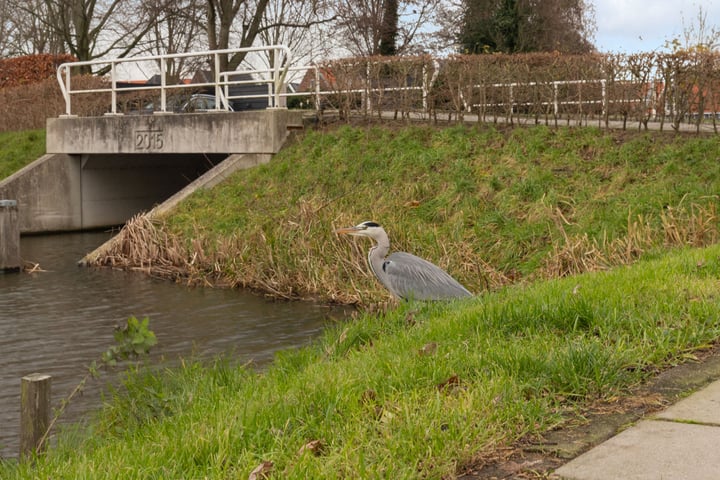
(403, 274)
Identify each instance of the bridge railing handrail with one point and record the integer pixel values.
(282, 58)
(366, 87)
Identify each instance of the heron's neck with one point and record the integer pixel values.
(377, 254)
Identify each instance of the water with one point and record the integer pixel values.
(57, 321)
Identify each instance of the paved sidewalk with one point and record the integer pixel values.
(680, 443)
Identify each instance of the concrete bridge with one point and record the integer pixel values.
(100, 171)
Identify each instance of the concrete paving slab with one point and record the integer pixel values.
(701, 407)
(651, 450)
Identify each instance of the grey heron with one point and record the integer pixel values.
(404, 274)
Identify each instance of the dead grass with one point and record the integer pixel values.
(580, 253)
(145, 245)
(526, 208)
(692, 226)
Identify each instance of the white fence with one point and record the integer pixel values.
(272, 87)
(274, 78)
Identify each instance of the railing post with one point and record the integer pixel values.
(512, 101)
(280, 78)
(367, 89)
(317, 88)
(275, 93)
(34, 412)
(9, 237)
(425, 88)
(163, 84)
(218, 91)
(113, 93)
(65, 87)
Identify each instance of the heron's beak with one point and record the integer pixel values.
(347, 231)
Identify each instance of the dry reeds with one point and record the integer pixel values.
(142, 246)
(254, 261)
(695, 225)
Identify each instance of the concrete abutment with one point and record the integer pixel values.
(100, 171)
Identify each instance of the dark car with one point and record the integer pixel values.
(196, 102)
(201, 102)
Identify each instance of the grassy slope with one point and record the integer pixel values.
(513, 361)
(490, 206)
(17, 149)
(414, 393)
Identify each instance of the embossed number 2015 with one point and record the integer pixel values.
(149, 140)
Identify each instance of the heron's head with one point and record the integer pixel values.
(364, 229)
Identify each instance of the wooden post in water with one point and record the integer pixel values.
(34, 412)
(9, 237)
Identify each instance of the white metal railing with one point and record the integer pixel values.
(428, 81)
(556, 102)
(221, 81)
(603, 100)
(366, 88)
(272, 85)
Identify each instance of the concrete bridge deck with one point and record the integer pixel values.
(100, 171)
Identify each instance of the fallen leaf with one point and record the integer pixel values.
(315, 447)
(450, 383)
(515, 467)
(261, 471)
(428, 349)
(369, 396)
(343, 336)
(386, 416)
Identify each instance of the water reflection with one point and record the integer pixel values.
(59, 320)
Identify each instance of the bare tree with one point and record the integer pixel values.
(91, 29)
(6, 28)
(294, 24)
(363, 22)
(177, 28)
(221, 18)
(240, 23)
(23, 34)
(697, 36)
(445, 38)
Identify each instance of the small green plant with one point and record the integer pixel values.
(133, 340)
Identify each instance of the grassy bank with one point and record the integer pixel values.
(418, 392)
(491, 206)
(577, 240)
(18, 149)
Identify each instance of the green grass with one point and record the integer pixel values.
(509, 363)
(491, 206)
(18, 149)
(420, 390)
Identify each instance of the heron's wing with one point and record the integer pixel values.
(413, 277)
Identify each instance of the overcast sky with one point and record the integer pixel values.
(645, 25)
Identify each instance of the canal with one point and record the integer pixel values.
(59, 319)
